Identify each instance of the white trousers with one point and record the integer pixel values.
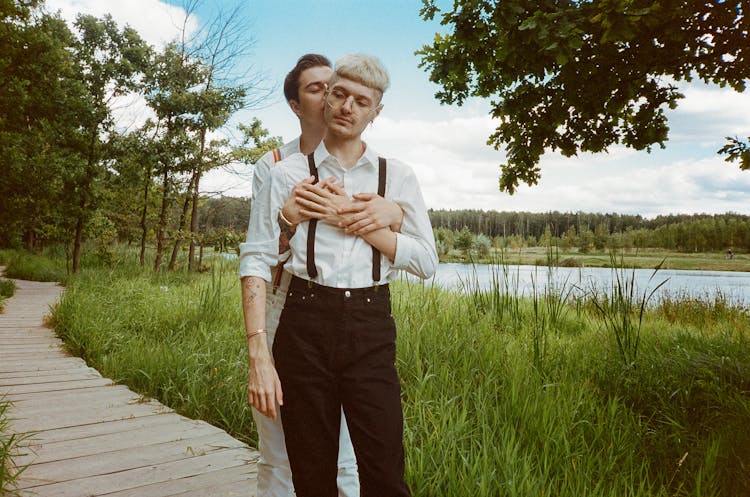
(274, 474)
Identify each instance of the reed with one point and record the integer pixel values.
(622, 308)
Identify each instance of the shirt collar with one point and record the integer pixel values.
(370, 157)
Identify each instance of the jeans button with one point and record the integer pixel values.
(347, 294)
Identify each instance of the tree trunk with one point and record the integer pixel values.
(144, 228)
(29, 237)
(194, 214)
(77, 242)
(84, 190)
(162, 220)
(181, 227)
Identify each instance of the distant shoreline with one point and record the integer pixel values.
(647, 259)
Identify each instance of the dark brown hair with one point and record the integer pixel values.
(291, 82)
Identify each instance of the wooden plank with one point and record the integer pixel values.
(50, 420)
(52, 397)
(23, 344)
(105, 427)
(205, 483)
(127, 459)
(69, 407)
(40, 374)
(32, 356)
(58, 385)
(20, 337)
(105, 484)
(142, 436)
(82, 374)
(47, 365)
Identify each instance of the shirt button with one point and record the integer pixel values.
(347, 294)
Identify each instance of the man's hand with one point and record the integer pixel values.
(323, 201)
(291, 209)
(371, 212)
(263, 385)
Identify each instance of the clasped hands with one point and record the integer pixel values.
(328, 201)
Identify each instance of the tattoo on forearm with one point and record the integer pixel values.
(287, 232)
(250, 291)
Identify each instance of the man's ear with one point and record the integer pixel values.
(295, 107)
(377, 112)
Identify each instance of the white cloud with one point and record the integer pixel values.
(457, 170)
(157, 22)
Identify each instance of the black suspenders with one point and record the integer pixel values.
(311, 269)
(381, 192)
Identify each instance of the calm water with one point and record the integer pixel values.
(700, 284)
(703, 284)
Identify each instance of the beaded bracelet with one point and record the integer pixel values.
(251, 334)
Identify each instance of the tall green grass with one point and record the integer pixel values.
(11, 445)
(504, 394)
(7, 289)
(27, 266)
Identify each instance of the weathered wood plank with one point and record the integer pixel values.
(83, 374)
(105, 484)
(47, 365)
(51, 398)
(58, 385)
(243, 479)
(10, 344)
(50, 421)
(81, 432)
(40, 374)
(127, 459)
(69, 407)
(142, 436)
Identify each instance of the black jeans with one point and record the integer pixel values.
(336, 348)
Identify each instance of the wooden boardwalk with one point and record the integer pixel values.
(90, 437)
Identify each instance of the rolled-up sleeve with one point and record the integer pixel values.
(260, 251)
(415, 244)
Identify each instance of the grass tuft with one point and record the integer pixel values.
(10, 447)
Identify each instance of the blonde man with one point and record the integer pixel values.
(335, 345)
(304, 89)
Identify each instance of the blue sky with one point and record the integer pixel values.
(446, 145)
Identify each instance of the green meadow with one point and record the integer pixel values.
(503, 395)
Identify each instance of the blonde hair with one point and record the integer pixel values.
(364, 69)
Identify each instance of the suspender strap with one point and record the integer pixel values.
(381, 192)
(311, 269)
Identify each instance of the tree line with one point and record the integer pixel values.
(72, 170)
(590, 231)
(226, 219)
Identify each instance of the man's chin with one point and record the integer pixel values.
(339, 130)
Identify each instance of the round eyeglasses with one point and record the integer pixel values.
(337, 97)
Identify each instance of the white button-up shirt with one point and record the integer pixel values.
(343, 260)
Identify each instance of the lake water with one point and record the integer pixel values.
(701, 284)
(735, 285)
